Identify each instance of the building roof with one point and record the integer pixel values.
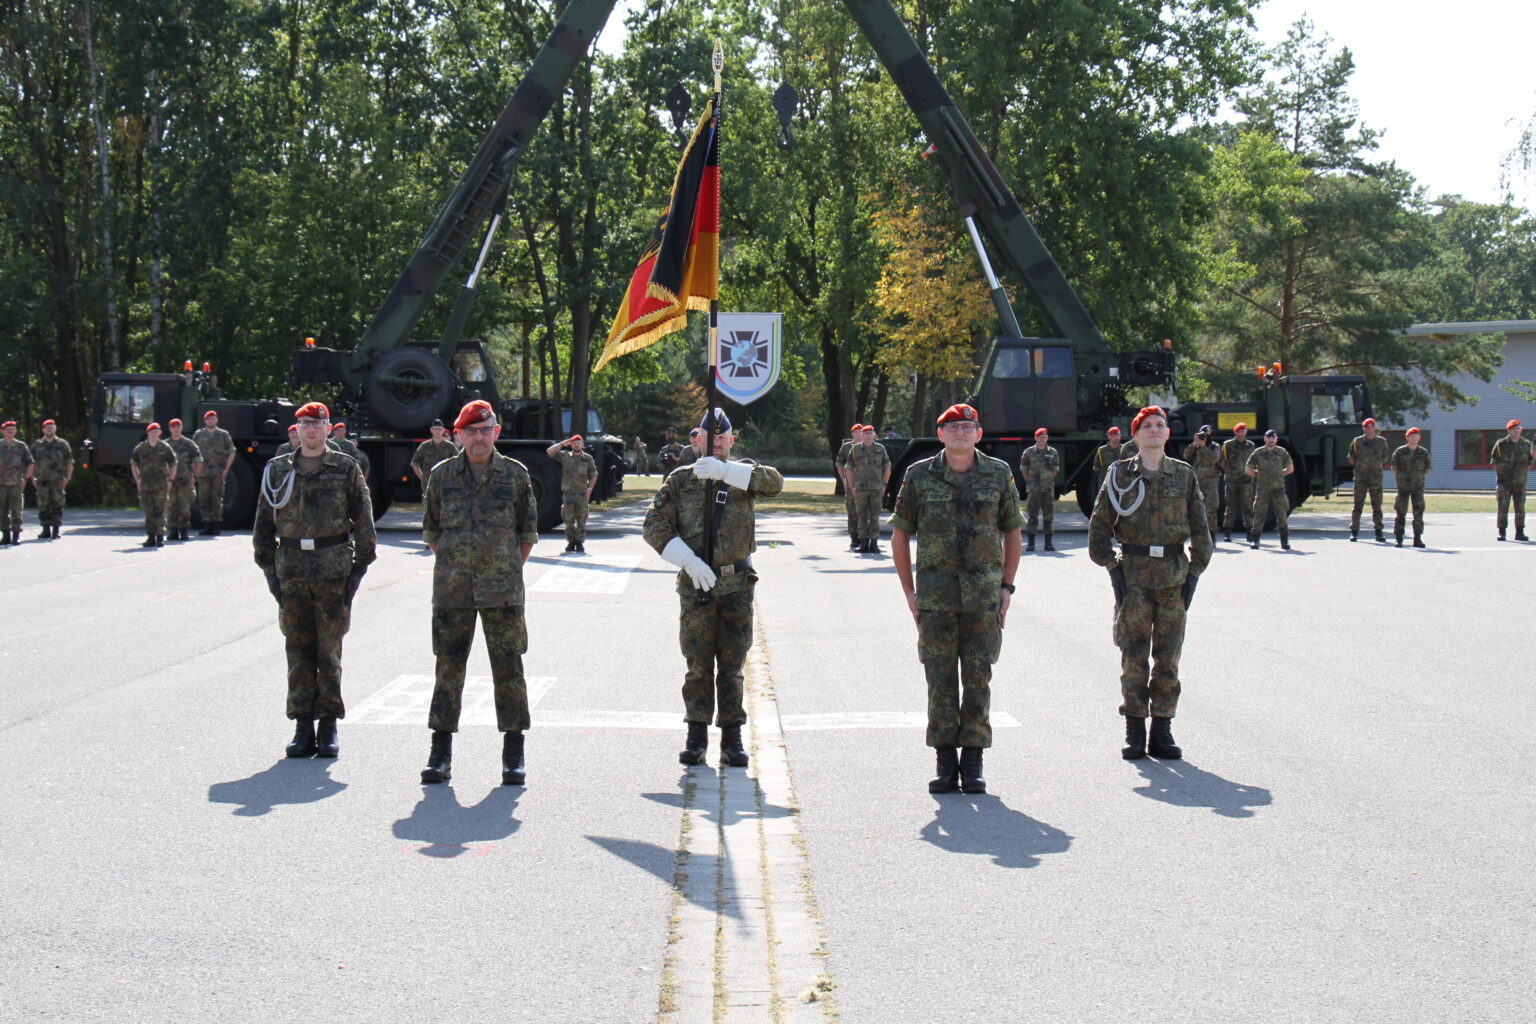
(1471, 327)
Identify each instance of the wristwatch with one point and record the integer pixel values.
(1009, 587)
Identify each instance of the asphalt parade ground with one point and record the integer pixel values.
(1349, 837)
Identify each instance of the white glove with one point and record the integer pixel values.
(738, 475)
(707, 467)
(682, 556)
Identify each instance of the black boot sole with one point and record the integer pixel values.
(431, 776)
(944, 785)
(1133, 753)
(735, 759)
(293, 751)
(691, 757)
(513, 778)
(1164, 754)
(973, 787)
(327, 751)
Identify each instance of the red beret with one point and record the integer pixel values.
(338, 423)
(1511, 425)
(868, 428)
(1113, 430)
(152, 426)
(856, 428)
(7, 423)
(1369, 421)
(210, 412)
(293, 428)
(1410, 430)
(1240, 426)
(1150, 410)
(49, 423)
(312, 411)
(477, 411)
(1041, 430)
(174, 423)
(958, 412)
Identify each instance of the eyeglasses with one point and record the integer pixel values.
(478, 431)
(313, 424)
(962, 426)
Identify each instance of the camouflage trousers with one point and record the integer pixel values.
(153, 499)
(958, 650)
(210, 496)
(852, 509)
(1210, 491)
(715, 635)
(867, 515)
(10, 506)
(1405, 497)
(506, 641)
(1239, 500)
(573, 507)
(50, 502)
(1041, 504)
(178, 511)
(1507, 492)
(1149, 630)
(1265, 498)
(314, 617)
(1366, 484)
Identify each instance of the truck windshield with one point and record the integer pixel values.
(1334, 410)
(1011, 364)
(1053, 362)
(128, 403)
(594, 421)
(469, 365)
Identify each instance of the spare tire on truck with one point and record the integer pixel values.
(409, 388)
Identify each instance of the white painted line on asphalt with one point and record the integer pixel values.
(407, 700)
(878, 720)
(583, 577)
(611, 720)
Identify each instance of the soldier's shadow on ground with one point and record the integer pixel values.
(1184, 785)
(290, 781)
(983, 825)
(450, 829)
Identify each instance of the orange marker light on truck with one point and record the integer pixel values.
(207, 367)
(309, 342)
(186, 367)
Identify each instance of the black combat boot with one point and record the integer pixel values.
(5, 538)
(1397, 531)
(440, 761)
(303, 744)
(159, 540)
(149, 541)
(1048, 545)
(1354, 534)
(1418, 537)
(1381, 538)
(1031, 545)
(1160, 744)
(218, 527)
(732, 753)
(874, 545)
(1229, 535)
(697, 743)
(44, 533)
(970, 771)
(1253, 540)
(1285, 542)
(946, 777)
(1519, 533)
(570, 546)
(854, 544)
(1501, 533)
(207, 530)
(513, 771)
(1135, 738)
(326, 743)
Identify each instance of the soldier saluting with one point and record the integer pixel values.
(578, 475)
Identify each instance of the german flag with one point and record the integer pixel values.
(680, 269)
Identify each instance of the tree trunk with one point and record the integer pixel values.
(103, 157)
(919, 407)
(882, 393)
(156, 281)
(837, 405)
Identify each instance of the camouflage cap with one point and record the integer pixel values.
(438, 423)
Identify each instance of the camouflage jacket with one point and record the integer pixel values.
(1106, 453)
(668, 456)
(288, 448)
(959, 520)
(1410, 466)
(1369, 455)
(154, 460)
(15, 457)
(429, 453)
(1205, 459)
(1039, 467)
(1171, 513)
(216, 445)
(869, 465)
(323, 502)
(54, 458)
(1234, 457)
(578, 471)
(1271, 464)
(680, 509)
(840, 460)
(479, 527)
(1511, 460)
(349, 448)
(187, 455)
(688, 456)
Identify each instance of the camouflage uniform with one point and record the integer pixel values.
(1106, 454)
(15, 457)
(1512, 462)
(216, 446)
(479, 527)
(1369, 455)
(669, 457)
(1206, 461)
(1234, 459)
(959, 520)
(839, 464)
(1039, 467)
(178, 513)
(327, 502)
(714, 629)
(688, 456)
(869, 465)
(289, 447)
(578, 471)
(642, 464)
(1410, 466)
(55, 461)
(1149, 621)
(349, 448)
(1269, 491)
(429, 453)
(154, 459)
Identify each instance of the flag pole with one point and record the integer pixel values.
(714, 492)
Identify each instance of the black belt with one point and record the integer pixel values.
(1154, 551)
(313, 543)
(735, 568)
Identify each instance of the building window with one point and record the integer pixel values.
(1473, 446)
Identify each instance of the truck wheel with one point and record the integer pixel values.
(240, 493)
(409, 388)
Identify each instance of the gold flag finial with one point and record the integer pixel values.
(719, 63)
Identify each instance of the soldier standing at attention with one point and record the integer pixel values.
(1111, 451)
(314, 540)
(218, 450)
(1368, 453)
(840, 467)
(963, 508)
(16, 467)
(1268, 467)
(715, 582)
(350, 448)
(431, 452)
(642, 464)
(154, 471)
(1511, 458)
(1234, 465)
(55, 464)
(869, 470)
(1410, 464)
(578, 475)
(480, 521)
(1039, 466)
(693, 449)
(1205, 459)
(669, 454)
(189, 466)
(1151, 505)
(291, 445)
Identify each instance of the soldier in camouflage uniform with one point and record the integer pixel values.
(578, 475)
(1205, 458)
(963, 508)
(840, 467)
(350, 448)
(1152, 506)
(1039, 466)
(1268, 467)
(314, 540)
(1111, 451)
(670, 454)
(693, 449)
(642, 463)
(869, 470)
(16, 467)
(714, 584)
(431, 452)
(480, 521)
(153, 465)
(1234, 468)
(1368, 453)
(55, 466)
(218, 451)
(1511, 457)
(1410, 465)
(189, 466)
